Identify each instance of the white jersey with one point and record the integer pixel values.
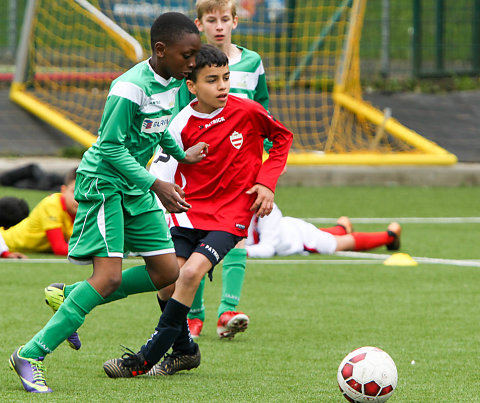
(278, 235)
(3, 245)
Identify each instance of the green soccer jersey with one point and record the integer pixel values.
(247, 77)
(137, 111)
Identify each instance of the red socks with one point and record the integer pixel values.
(371, 240)
(337, 230)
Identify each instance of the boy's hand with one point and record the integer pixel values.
(195, 153)
(263, 204)
(172, 196)
(16, 255)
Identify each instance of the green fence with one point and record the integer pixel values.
(401, 38)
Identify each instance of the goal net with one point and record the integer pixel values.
(72, 49)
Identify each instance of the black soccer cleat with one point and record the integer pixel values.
(175, 362)
(128, 366)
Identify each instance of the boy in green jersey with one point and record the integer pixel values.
(116, 194)
(217, 19)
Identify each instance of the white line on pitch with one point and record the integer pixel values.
(369, 258)
(419, 259)
(401, 220)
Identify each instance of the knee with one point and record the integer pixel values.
(190, 275)
(107, 285)
(171, 276)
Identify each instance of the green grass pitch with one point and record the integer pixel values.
(305, 317)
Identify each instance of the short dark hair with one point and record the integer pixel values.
(170, 27)
(12, 211)
(208, 55)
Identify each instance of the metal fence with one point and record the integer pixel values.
(400, 38)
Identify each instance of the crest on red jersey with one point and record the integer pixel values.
(236, 139)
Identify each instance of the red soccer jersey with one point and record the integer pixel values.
(216, 187)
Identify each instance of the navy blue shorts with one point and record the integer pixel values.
(214, 245)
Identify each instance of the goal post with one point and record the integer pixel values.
(61, 74)
(71, 50)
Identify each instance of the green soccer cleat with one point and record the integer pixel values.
(54, 297)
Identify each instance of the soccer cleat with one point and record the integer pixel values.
(54, 297)
(195, 325)
(230, 323)
(31, 372)
(175, 362)
(394, 229)
(128, 366)
(74, 341)
(345, 222)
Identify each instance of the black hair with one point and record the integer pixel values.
(12, 211)
(208, 55)
(170, 27)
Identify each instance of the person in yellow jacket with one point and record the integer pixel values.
(48, 227)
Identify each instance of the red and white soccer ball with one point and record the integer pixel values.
(367, 374)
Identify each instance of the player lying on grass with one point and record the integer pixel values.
(12, 211)
(49, 226)
(217, 19)
(279, 235)
(115, 192)
(225, 190)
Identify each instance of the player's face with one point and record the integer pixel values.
(218, 26)
(70, 202)
(178, 58)
(211, 88)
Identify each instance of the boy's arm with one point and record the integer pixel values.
(282, 139)
(57, 242)
(192, 155)
(118, 114)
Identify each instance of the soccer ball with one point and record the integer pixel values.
(367, 374)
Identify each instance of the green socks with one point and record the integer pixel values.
(80, 299)
(233, 273)
(66, 320)
(135, 280)
(197, 310)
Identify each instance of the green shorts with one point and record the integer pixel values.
(108, 223)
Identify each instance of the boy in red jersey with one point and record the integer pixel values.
(225, 190)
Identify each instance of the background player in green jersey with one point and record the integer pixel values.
(116, 193)
(217, 19)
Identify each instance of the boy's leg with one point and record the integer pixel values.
(203, 253)
(196, 316)
(343, 227)
(27, 360)
(233, 274)
(135, 280)
(371, 240)
(66, 320)
(170, 326)
(154, 243)
(197, 310)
